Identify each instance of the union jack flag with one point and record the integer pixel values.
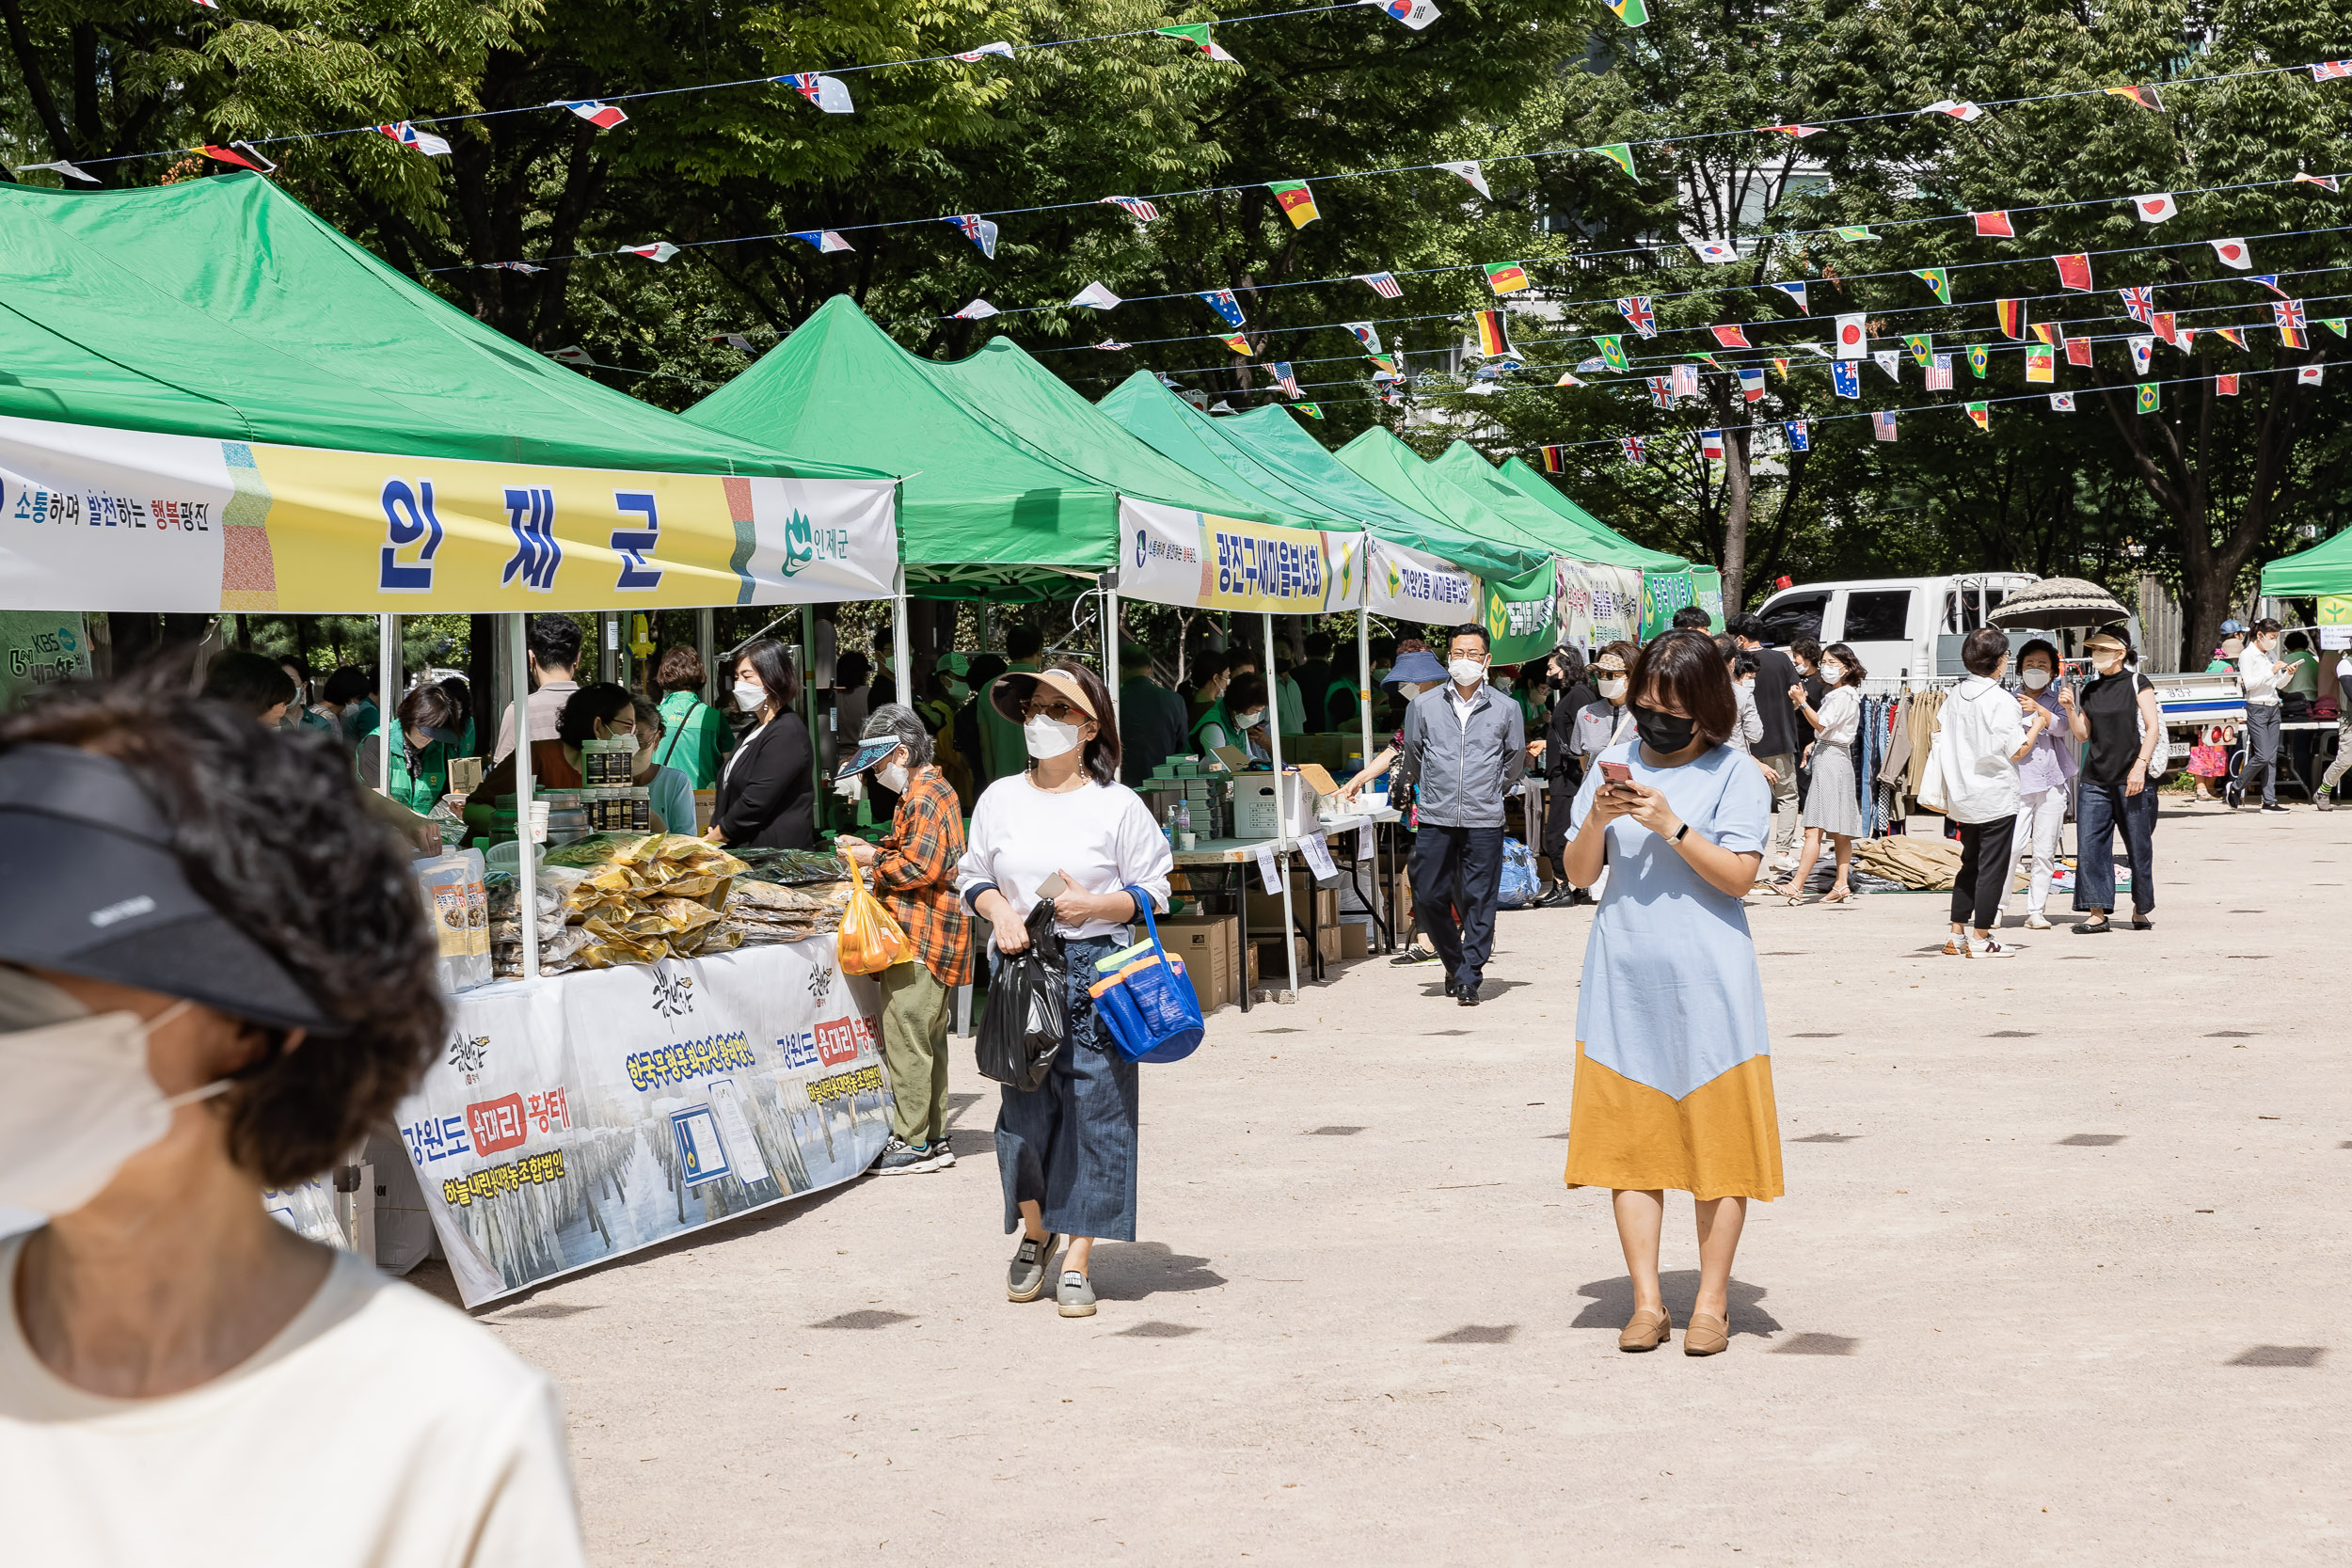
(1638, 315)
(2139, 303)
(1134, 207)
(1659, 392)
(2329, 71)
(1632, 447)
(1382, 284)
(2287, 315)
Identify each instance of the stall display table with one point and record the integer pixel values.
(575, 1118)
(1234, 861)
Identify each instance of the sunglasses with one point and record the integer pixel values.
(1062, 713)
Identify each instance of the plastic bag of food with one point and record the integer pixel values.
(871, 941)
(453, 888)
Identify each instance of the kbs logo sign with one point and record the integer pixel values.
(497, 1124)
(841, 1040)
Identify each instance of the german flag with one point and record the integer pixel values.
(1493, 344)
(1298, 202)
(2013, 317)
(2145, 96)
(2050, 333)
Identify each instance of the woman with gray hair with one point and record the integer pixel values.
(912, 871)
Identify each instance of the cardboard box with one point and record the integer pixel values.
(1328, 940)
(1210, 946)
(1265, 959)
(1355, 942)
(1254, 805)
(1265, 909)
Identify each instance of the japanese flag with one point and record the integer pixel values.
(1854, 337)
(2154, 209)
(979, 309)
(2309, 375)
(2233, 253)
(661, 250)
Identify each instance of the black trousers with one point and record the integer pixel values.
(1456, 872)
(1985, 861)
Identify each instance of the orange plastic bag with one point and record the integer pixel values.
(871, 941)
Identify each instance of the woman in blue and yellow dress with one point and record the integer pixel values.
(1674, 1078)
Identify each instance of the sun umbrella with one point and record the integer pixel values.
(2056, 602)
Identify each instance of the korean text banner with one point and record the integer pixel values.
(1598, 604)
(93, 518)
(594, 1113)
(1413, 585)
(1522, 615)
(1198, 559)
(1663, 594)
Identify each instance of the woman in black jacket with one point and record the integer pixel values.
(766, 792)
(1564, 770)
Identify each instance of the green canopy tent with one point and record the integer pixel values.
(216, 403)
(1703, 585)
(2325, 570)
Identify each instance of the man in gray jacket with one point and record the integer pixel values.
(1464, 748)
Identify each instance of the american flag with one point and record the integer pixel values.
(1382, 284)
(1638, 315)
(2140, 303)
(1284, 378)
(1134, 207)
(1940, 373)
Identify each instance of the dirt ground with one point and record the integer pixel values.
(2053, 1282)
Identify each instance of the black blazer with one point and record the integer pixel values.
(768, 795)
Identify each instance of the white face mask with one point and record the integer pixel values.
(1611, 687)
(1251, 720)
(1048, 737)
(2035, 679)
(1833, 672)
(1465, 671)
(891, 777)
(80, 1104)
(2106, 662)
(749, 696)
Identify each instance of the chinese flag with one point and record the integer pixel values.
(2073, 272)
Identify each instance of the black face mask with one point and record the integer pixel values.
(1662, 732)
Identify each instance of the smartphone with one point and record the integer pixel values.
(1617, 772)
(1052, 887)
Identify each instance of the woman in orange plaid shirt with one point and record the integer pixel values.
(914, 874)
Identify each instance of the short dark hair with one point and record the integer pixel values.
(1023, 641)
(249, 682)
(1206, 666)
(772, 664)
(851, 670)
(427, 706)
(680, 669)
(271, 831)
(1691, 618)
(1244, 690)
(299, 665)
(1726, 645)
(1744, 663)
(2263, 628)
(1383, 650)
(1983, 649)
(1855, 673)
(1808, 648)
(460, 696)
(553, 642)
(983, 669)
(2296, 640)
(1470, 628)
(1318, 645)
(1749, 625)
(597, 702)
(1682, 665)
(1568, 660)
(1102, 753)
(2041, 645)
(348, 685)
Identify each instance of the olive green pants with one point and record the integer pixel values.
(914, 1050)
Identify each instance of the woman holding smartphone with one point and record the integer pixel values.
(1834, 803)
(1066, 829)
(1673, 1079)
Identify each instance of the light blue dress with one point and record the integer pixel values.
(673, 797)
(1670, 995)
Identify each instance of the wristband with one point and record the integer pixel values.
(1675, 837)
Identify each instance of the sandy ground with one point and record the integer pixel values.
(2056, 1281)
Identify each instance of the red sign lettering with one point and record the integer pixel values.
(497, 1124)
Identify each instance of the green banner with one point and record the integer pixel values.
(1522, 615)
(1663, 594)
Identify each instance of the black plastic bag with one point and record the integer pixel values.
(1028, 1016)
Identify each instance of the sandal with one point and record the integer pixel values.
(1837, 895)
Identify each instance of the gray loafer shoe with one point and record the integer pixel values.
(1025, 1279)
(1075, 1299)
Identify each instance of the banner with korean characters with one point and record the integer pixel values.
(588, 1114)
(1522, 615)
(1199, 559)
(1598, 604)
(1413, 585)
(93, 518)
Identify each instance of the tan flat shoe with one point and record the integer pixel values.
(1648, 1329)
(1707, 1336)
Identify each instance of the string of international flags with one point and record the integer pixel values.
(1297, 195)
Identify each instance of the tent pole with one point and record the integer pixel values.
(526, 871)
(1363, 717)
(1281, 827)
(705, 643)
(808, 716)
(901, 639)
(387, 674)
(1110, 657)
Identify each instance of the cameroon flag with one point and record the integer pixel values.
(1297, 199)
(1236, 341)
(1505, 277)
(1983, 414)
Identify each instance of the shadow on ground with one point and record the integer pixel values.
(1131, 1270)
(1611, 1303)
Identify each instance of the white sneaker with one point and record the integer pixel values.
(2036, 922)
(1786, 863)
(1991, 947)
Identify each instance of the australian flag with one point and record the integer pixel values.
(980, 230)
(1845, 380)
(1800, 438)
(1225, 304)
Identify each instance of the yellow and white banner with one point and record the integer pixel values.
(1198, 559)
(93, 518)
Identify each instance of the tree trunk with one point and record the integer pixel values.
(1738, 493)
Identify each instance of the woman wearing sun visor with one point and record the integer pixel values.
(215, 976)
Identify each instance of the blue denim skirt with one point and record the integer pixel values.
(1069, 1144)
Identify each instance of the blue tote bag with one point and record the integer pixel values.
(1145, 1000)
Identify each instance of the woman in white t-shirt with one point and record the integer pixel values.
(1066, 1149)
(216, 977)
